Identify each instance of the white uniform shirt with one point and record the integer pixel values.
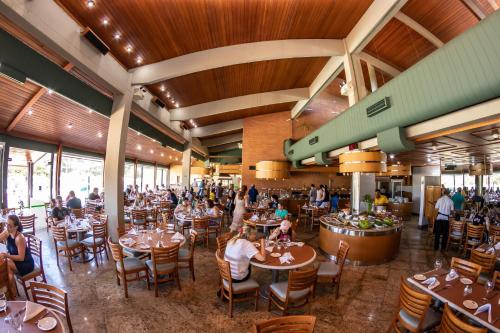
(239, 253)
(444, 206)
(320, 195)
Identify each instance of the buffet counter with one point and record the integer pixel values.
(367, 246)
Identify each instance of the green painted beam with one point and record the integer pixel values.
(464, 72)
(139, 125)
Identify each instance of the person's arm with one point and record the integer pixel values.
(4, 235)
(275, 233)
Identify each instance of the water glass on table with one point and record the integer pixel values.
(488, 286)
(3, 302)
(438, 263)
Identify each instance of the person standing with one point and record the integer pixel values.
(444, 206)
(335, 202)
(312, 194)
(253, 193)
(320, 196)
(230, 199)
(241, 203)
(458, 200)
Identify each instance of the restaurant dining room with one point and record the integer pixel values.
(249, 166)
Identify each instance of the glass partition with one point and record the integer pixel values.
(128, 176)
(81, 174)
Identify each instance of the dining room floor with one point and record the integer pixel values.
(367, 302)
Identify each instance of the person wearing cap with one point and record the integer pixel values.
(283, 233)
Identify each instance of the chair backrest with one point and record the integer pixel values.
(496, 279)
(90, 208)
(35, 246)
(78, 212)
(99, 230)
(247, 216)
(164, 204)
(475, 231)
(139, 214)
(222, 242)
(224, 268)
(452, 324)
(494, 230)
(51, 297)
(342, 254)
(47, 207)
(466, 267)
(413, 303)
(27, 221)
(164, 255)
(485, 260)
(59, 233)
(4, 277)
(192, 241)
(457, 227)
(302, 279)
(103, 218)
(116, 251)
(300, 324)
(201, 222)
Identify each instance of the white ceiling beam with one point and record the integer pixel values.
(474, 8)
(372, 21)
(231, 138)
(239, 103)
(373, 77)
(234, 55)
(384, 67)
(219, 128)
(419, 29)
(50, 25)
(493, 4)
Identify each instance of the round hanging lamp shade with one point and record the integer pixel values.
(363, 161)
(272, 170)
(481, 169)
(398, 170)
(197, 170)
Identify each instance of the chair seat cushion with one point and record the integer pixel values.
(34, 273)
(131, 265)
(161, 268)
(473, 241)
(329, 269)
(241, 287)
(138, 221)
(90, 241)
(72, 243)
(184, 253)
(280, 289)
(456, 235)
(151, 219)
(432, 319)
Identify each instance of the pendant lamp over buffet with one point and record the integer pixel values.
(481, 169)
(272, 170)
(397, 170)
(363, 161)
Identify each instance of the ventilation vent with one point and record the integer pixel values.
(313, 140)
(89, 35)
(378, 107)
(158, 102)
(290, 152)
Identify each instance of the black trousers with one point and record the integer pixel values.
(441, 228)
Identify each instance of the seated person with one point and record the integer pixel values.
(59, 212)
(139, 201)
(480, 219)
(72, 202)
(94, 195)
(18, 256)
(283, 233)
(325, 204)
(280, 212)
(213, 211)
(239, 251)
(184, 208)
(380, 199)
(212, 195)
(274, 202)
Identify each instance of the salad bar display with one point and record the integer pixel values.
(373, 238)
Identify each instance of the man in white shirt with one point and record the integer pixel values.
(320, 196)
(444, 206)
(239, 251)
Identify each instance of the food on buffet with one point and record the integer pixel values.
(363, 221)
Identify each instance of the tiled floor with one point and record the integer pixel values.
(368, 295)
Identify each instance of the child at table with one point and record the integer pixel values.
(283, 233)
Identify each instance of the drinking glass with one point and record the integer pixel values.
(467, 290)
(488, 286)
(438, 263)
(3, 302)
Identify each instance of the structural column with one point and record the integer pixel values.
(186, 166)
(115, 162)
(5, 162)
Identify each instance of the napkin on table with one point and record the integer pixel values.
(32, 309)
(178, 236)
(432, 282)
(452, 275)
(482, 308)
(269, 248)
(491, 250)
(132, 231)
(497, 246)
(286, 258)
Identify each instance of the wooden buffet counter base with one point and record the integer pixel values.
(367, 246)
(402, 210)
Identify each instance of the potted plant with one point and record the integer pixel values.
(368, 200)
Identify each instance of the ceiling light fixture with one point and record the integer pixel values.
(90, 3)
(495, 134)
(138, 60)
(434, 147)
(176, 158)
(176, 105)
(168, 94)
(162, 88)
(105, 21)
(90, 110)
(170, 157)
(128, 48)
(99, 135)
(138, 133)
(162, 154)
(151, 151)
(117, 36)
(139, 147)
(51, 91)
(30, 112)
(391, 156)
(70, 125)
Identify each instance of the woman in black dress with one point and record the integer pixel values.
(18, 257)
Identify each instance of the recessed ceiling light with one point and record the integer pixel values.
(139, 147)
(151, 151)
(162, 88)
(90, 3)
(70, 125)
(30, 112)
(391, 156)
(428, 159)
(117, 36)
(176, 158)
(170, 157)
(99, 135)
(195, 125)
(51, 91)
(128, 48)
(168, 94)
(138, 60)
(434, 147)
(162, 154)
(176, 105)
(105, 21)
(90, 110)
(138, 133)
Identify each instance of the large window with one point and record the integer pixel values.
(41, 179)
(81, 174)
(161, 176)
(128, 177)
(448, 181)
(148, 177)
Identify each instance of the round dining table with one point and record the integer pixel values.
(80, 227)
(31, 325)
(145, 239)
(264, 223)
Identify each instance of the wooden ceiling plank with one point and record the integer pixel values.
(474, 9)
(419, 28)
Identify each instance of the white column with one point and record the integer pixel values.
(115, 162)
(186, 166)
(373, 77)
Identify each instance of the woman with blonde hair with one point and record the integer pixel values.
(241, 203)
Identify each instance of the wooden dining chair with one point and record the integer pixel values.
(52, 298)
(90, 208)
(496, 280)
(486, 261)
(333, 270)
(35, 247)
(299, 324)
(249, 289)
(46, 206)
(78, 212)
(163, 265)
(152, 218)
(138, 217)
(456, 233)
(452, 324)
(494, 230)
(5, 282)
(200, 225)
(215, 225)
(301, 215)
(474, 236)
(65, 247)
(97, 242)
(294, 293)
(28, 223)
(222, 242)
(467, 268)
(315, 216)
(414, 312)
(125, 267)
(186, 256)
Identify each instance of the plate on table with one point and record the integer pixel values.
(470, 304)
(419, 277)
(466, 281)
(144, 246)
(275, 254)
(47, 323)
(170, 232)
(300, 244)
(175, 240)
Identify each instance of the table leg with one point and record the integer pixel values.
(84, 256)
(264, 290)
